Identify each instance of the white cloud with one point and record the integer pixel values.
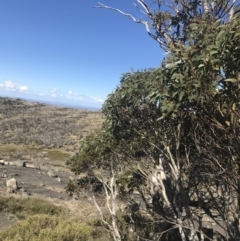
(68, 96)
(9, 85)
(54, 92)
(71, 94)
(23, 88)
(97, 99)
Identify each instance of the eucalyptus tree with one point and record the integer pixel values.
(166, 21)
(187, 113)
(177, 127)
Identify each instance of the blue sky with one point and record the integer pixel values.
(68, 51)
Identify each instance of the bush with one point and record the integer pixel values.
(28, 206)
(42, 220)
(48, 228)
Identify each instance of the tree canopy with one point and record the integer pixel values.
(167, 22)
(174, 130)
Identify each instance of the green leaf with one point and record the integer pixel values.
(174, 94)
(220, 34)
(213, 52)
(169, 66)
(175, 76)
(212, 46)
(230, 80)
(236, 34)
(194, 26)
(181, 95)
(218, 22)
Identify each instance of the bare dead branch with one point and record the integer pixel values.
(145, 23)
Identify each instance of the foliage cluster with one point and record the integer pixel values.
(174, 133)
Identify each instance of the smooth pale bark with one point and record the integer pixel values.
(147, 25)
(111, 203)
(161, 176)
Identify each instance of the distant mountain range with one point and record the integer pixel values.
(69, 105)
(57, 103)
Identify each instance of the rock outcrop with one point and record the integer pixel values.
(52, 174)
(11, 185)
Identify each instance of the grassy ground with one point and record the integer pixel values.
(41, 125)
(38, 220)
(13, 152)
(24, 207)
(48, 228)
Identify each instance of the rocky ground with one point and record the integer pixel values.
(33, 180)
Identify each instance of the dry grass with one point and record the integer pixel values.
(39, 219)
(30, 129)
(58, 155)
(24, 152)
(44, 126)
(24, 207)
(9, 148)
(47, 228)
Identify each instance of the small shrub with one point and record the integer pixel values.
(48, 228)
(28, 206)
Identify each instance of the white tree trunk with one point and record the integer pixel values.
(232, 10)
(161, 176)
(111, 203)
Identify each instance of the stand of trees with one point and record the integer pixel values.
(169, 148)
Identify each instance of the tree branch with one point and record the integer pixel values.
(145, 23)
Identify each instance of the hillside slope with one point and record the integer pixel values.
(42, 125)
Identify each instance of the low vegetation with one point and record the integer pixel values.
(40, 125)
(33, 131)
(37, 219)
(21, 208)
(10, 152)
(48, 228)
